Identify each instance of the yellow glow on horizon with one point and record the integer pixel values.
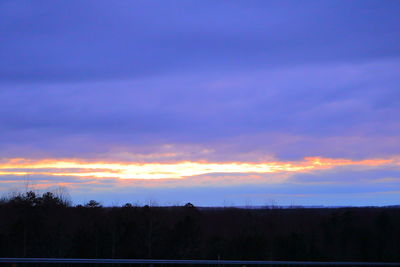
(176, 170)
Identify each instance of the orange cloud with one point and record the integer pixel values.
(176, 170)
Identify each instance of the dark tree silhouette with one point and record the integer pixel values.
(34, 225)
(93, 204)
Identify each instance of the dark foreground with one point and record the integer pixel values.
(149, 262)
(47, 227)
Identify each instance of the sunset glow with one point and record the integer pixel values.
(178, 170)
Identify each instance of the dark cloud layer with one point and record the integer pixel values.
(99, 40)
(336, 111)
(282, 78)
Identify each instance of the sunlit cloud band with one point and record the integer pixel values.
(177, 170)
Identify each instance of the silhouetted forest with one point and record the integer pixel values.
(33, 225)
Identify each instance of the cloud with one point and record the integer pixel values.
(98, 40)
(222, 82)
(173, 170)
(281, 112)
(328, 182)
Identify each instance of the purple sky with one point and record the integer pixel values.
(208, 81)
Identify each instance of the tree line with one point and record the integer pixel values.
(47, 225)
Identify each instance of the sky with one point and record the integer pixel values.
(217, 103)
